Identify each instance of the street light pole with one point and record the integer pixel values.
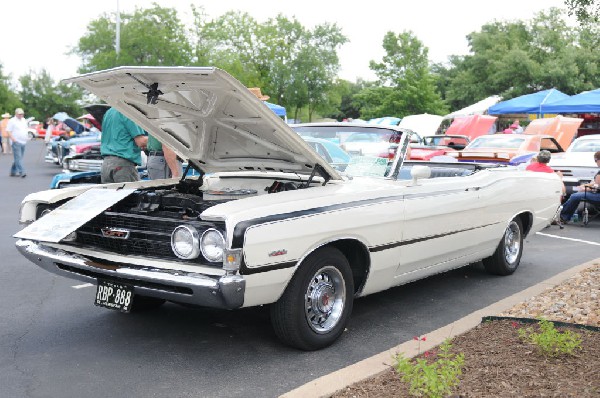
(118, 39)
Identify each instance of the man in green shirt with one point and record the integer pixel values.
(162, 161)
(120, 146)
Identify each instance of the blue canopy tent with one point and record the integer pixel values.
(586, 102)
(529, 103)
(278, 109)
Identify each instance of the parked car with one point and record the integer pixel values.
(577, 164)
(357, 138)
(68, 179)
(332, 153)
(268, 221)
(438, 145)
(59, 147)
(472, 126)
(83, 157)
(502, 148)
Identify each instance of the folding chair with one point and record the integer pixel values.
(556, 219)
(591, 208)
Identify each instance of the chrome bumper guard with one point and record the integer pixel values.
(225, 292)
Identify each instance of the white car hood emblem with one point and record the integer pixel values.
(206, 116)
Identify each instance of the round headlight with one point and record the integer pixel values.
(212, 245)
(185, 242)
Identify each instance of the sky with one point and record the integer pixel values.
(38, 34)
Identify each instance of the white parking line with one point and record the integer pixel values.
(82, 286)
(571, 239)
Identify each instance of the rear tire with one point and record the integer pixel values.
(313, 311)
(507, 256)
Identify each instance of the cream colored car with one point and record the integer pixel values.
(269, 222)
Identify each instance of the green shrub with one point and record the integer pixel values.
(433, 379)
(550, 341)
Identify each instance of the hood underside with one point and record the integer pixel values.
(206, 116)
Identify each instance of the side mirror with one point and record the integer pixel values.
(417, 172)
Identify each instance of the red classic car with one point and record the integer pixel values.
(36, 130)
(438, 145)
(472, 126)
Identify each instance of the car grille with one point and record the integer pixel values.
(148, 236)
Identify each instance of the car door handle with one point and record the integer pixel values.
(473, 189)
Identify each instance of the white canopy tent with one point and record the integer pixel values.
(424, 124)
(478, 108)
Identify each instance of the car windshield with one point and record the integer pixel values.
(361, 159)
(501, 141)
(585, 146)
(368, 137)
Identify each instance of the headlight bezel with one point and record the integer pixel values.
(208, 256)
(195, 242)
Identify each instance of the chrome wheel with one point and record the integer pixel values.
(512, 242)
(325, 299)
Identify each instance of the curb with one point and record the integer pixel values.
(329, 384)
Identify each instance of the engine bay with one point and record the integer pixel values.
(188, 199)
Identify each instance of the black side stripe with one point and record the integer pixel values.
(388, 246)
(240, 229)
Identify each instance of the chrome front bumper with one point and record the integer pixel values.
(184, 287)
(82, 164)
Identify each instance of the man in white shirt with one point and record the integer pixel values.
(17, 133)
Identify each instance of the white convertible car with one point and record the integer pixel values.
(269, 221)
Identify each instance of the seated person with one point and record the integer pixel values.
(589, 191)
(539, 164)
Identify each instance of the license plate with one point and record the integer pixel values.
(115, 296)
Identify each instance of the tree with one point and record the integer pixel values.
(293, 65)
(585, 10)
(153, 36)
(8, 97)
(227, 42)
(405, 79)
(42, 97)
(340, 100)
(520, 57)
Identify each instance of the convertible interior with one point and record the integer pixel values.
(444, 169)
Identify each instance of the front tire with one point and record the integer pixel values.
(313, 311)
(507, 256)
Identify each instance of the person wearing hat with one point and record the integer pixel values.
(17, 132)
(5, 140)
(258, 94)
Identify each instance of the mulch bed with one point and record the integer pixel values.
(499, 364)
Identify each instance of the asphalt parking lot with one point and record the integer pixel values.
(55, 343)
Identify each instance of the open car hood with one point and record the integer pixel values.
(563, 129)
(208, 117)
